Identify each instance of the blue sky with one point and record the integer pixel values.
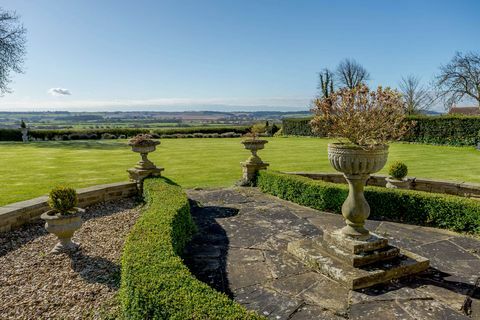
(250, 54)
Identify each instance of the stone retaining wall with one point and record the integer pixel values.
(16, 214)
(462, 189)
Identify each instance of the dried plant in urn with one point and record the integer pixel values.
(364, 122)
(64, 218)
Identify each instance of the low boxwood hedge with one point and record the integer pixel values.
(155, 284)
(409, 206)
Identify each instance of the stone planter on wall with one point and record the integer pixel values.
(63, 226)
(356, 164)
(254, 163)
(398, 184)
(144, 168)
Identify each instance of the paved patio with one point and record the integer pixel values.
(241, 250)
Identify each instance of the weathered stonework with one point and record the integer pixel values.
(16, 214)
(253, 164)
(144, 167)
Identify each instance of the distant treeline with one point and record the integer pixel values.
(113, 133)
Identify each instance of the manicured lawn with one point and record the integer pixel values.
(30, 170)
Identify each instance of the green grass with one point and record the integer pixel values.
(31, 170)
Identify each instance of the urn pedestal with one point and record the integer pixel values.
(253, 164)
(63, 226)
(144, 167)
(353, 255)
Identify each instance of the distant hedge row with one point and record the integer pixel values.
(449, 130)
(410, 206)
(112, 133)
(155, 283)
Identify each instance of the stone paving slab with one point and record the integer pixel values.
(241, 249)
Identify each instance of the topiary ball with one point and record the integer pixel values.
(398, 170)
(63, 199)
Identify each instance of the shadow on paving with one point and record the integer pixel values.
(205, 255)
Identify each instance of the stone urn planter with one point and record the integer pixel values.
(254, 145)
(63, 226)
(144, 148)
(356, 164)
(397, 184)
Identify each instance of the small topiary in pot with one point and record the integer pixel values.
(397, 173)
(64, 218)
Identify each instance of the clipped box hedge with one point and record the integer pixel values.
(155, 284)
(409, 206)
(90, 134)
(455, 130)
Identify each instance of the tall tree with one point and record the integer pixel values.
(350, 73)
(416, 97)
(325, 83)
(459, 79)
(12, 47)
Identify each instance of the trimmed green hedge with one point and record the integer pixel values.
(416, 207)
(77, 134)
(449, 129)
(155, 284)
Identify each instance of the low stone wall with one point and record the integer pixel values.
(16, 214)
(462, 189)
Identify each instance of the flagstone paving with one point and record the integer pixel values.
(240, 249)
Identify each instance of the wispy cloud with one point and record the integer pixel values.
(59, 92)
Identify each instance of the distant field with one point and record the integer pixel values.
(30, 170)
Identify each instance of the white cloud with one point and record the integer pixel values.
(59, 92)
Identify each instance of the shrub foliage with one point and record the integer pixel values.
(63, 199)
(114, 133)
(155, 284)
(409, 206)
(398, 170)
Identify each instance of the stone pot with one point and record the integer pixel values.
(356, 164)
(63, 226)
(144, 150)
(397, 184)
(254, 145)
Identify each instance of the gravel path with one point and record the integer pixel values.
(38, 285)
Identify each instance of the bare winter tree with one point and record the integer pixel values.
(416, 97)
(12, 47)
(459, 79)
(325, 83)
(350, 73)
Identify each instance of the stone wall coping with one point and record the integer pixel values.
(460, 188)
(15, 214)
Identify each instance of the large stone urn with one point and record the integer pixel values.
(356, 164)
(144, 150)
(63, 226)
(144, 167)
(254, 163)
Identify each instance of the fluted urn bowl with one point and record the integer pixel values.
(63, 226)
(355, 160)
(146, 147)
(254, 144)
